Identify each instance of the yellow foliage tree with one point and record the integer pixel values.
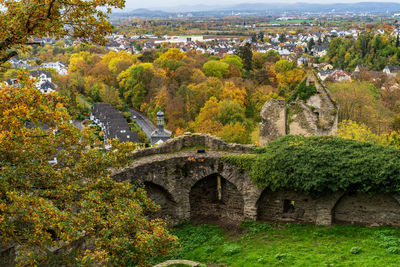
(119, 61)
(351, 130)
(291, 78)
(20, 21)
(204, 122)
(232, 92)
(81, 62)
(234, 133)
(46, 204)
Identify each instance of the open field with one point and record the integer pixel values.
(270, 244)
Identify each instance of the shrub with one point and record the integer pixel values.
(393, 250)
(280, 256)
(319, 165)
(231, 250)
(255, 227)
(355, 250)
(261, 260)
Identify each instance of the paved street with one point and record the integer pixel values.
(144, 123)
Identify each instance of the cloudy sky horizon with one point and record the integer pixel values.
(161, 4)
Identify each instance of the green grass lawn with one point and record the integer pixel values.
(270, 244)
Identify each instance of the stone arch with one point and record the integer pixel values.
(286, 206)
(208, 206)
(162, 197)
(367, 209)
(177, 174)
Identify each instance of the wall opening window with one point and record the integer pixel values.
(288, 206)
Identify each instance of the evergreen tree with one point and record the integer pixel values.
(246, 55)
(261, 36)
(311, 44)
(282, 38)
(254, 38)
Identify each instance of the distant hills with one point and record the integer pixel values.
(265, 9)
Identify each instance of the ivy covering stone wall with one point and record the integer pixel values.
(319, 165)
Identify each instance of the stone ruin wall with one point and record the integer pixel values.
(318, 115)
(289, 207)
(280, 206)
(190, 140)
(206, 206)
(188, 190)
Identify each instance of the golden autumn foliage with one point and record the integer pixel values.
(22, 20)
(45, 205)
(234, 93)
(352, 130)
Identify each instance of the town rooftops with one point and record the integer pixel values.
(113, 123)
(38, 73)
(392, 68)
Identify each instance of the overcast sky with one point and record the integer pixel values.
(133, 4)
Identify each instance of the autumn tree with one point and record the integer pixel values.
(171, 60)
(135, 83)
(288, 76)
(118, 61)
(46, 205)
(198, 94)
(205, 122)
(234, 60)
(230, 112)
(361, 102)
(21, 21)
(214, 68)
(234, 133)
(235, 93)
(245, 53)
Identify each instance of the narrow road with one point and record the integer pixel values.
(144, 123)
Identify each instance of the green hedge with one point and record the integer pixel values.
(318, 165)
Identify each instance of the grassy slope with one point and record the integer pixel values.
(289, 245)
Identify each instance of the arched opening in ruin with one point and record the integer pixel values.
(285, 206)
(163, 198)
(367, 209)
(214, 199)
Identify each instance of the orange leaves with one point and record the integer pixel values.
(44, 205)
(193, 159)
(23, 20)
(234, 93)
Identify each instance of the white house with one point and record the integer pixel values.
(180, 39)
(302, 61)
(43, 81)
(391, 70)
(58, 66)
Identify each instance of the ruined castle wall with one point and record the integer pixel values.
(273, 115)
(286, 206)
(187, 189)
(7, 256)
(206, 206)
(161, 197)
(191, 140)
(302, 120)
(366, 209)
(317, 115)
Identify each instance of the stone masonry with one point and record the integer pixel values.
(318, 115)
(185, 183)
(274, 119)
